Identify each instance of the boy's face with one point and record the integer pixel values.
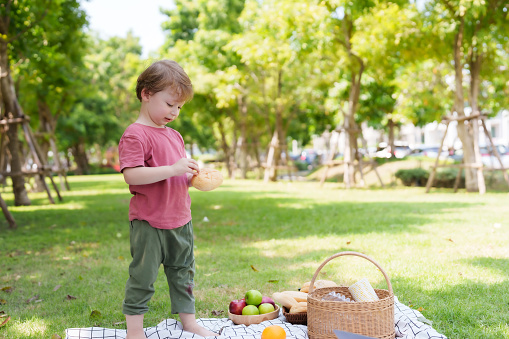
(162, 107)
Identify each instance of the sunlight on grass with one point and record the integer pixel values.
(271, 195)
(297, 206)
(289, 248)
(33, 328)
(95, 178)
(35, 208)
(96, 192)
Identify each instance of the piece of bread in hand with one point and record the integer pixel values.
(207, 180)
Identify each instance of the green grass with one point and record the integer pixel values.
(444, 252)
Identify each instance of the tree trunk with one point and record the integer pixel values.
(42, 140)
(233, 156)
(465, 129)
(270, 161)
(256, 153)
(80, 158)
(392, 147)
(348, 155)
(280, 143)
(243, 135)
(226, 148)
(351, 128)
(475, 70)
(7, 214)
(68, 158)
(279, 132)
(12, 109)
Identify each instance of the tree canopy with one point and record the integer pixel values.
(264, 72)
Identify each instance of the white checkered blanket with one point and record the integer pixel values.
(408, 323)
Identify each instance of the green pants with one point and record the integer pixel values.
(151, 247)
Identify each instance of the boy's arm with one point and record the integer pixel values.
(149, 175)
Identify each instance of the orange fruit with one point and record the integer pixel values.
(273, 332)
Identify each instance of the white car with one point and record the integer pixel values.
(492, 161)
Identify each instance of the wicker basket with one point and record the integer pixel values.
(295, 318)
(373, 319)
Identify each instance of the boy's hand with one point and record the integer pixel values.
(185, 165)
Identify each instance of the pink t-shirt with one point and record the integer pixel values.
(164, 204)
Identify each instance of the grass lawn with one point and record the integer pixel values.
(446, 254)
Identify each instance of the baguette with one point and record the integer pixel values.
(301, 307)
(284, 299)
(318, 284)
(299, 296)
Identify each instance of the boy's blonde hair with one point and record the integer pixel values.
(165, 74)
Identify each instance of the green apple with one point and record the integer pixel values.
(253, 297)
(266, 308)
(250, 310)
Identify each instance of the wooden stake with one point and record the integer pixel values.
(55, 186)
(372, 161)
(480, 175)
(433, 171)
(46, 187)
(329, 161)
(37, 159)
(270, 157)
(495, 151)
(3, 153)
(7, 214)
(359, 164)
(478, 164)
(458, 178)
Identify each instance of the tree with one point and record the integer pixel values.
(275, 48)
(368, 38)
(49, 85)
(389, 38)
(376, 106)
(24, 30)
(197, 44)
(108, 98)
(474, 34)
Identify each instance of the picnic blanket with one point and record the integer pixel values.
(408, 324)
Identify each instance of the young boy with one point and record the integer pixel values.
(153, 161)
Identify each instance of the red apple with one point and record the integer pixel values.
(269, 301)
(236, 306)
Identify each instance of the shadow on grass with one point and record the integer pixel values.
(292, 217)
(493, 264)
(243, 216)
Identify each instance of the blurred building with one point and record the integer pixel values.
(432, 134)
(415, 136)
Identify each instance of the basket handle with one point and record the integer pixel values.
(340, 254)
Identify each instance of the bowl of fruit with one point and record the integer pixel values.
(252, 309)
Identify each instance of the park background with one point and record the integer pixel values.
(272, 79)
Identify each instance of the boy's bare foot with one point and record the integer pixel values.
(197, 329)
(135, 335)
(189, 324)
(135, 327)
